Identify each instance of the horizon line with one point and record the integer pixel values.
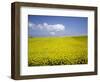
(58, 36)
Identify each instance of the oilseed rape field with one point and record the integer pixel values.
(50, 51)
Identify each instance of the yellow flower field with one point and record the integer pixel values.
(49, 51)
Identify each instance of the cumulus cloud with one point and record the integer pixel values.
(51, 28)
(52, 33)
(31, 25)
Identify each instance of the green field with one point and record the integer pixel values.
(44, 51)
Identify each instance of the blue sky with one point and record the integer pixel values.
(39, 26)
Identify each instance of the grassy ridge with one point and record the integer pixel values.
(57, 51)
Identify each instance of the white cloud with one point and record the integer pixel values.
(52, 33)
(45, 24)
(40, 26)
(56, 27)
(31, 25)
(51, 28)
